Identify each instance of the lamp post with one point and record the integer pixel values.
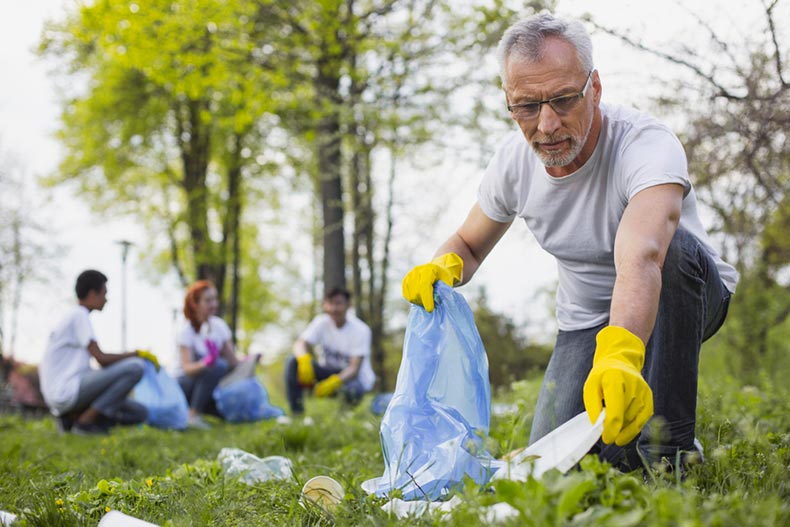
(125, 244)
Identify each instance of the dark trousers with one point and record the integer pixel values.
(692, 307)
(107, 390)
(199, 389)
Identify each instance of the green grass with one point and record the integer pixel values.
(173, 478)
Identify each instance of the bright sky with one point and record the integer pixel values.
(512, 275)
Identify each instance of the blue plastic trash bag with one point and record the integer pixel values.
(245, 400)
(432, 431)
(380, 402)
(163, 398)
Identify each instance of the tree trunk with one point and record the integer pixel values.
(360, 217)
(329, 173)
(231, 231)
(194, 141)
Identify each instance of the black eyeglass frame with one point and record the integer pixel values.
(567, 97)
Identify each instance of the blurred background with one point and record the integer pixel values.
(278, 147)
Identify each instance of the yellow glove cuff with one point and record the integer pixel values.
(304, 370)
(451, 268)
(615, 342)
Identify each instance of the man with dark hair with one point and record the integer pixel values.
(87, 400)
(605, 189)
(344, 362)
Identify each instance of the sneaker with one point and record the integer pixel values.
(88, 429)
(64, 423)
(197, 422)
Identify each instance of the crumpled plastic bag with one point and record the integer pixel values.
(245, 400)
(251, 469)
(7, 519)
(163, 398)
(432, 431)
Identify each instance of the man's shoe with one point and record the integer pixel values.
(64, 423)
(88, 429)
(197, 422)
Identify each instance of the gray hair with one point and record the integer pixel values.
(527, 37)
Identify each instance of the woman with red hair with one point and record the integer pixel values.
(206, 353)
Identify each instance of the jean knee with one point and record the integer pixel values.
(682, 258)
(219, 368)
(134, 367)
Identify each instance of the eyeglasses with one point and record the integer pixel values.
(562, 105)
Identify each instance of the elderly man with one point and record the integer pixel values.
(604, 189)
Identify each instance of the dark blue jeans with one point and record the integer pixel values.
(692, 307)
(199, 389)
(107, 390)
(352, 390)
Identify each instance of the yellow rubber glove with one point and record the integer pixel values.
(418, 283)
(328, 386)
(147, 355)
(616, 381)
(305, 373)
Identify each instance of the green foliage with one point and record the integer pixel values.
(510, 356)
(167, 130)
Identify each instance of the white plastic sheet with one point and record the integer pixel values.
(119, 519)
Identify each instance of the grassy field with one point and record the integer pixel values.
(173, 478)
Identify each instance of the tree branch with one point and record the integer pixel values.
(777, 53)
(722, 91)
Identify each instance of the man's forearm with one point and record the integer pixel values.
(300, 347)
(635, 297)
(455, 244)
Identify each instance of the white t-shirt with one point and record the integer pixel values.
(575, 218)
(66, 360)
(214, 329)
(340, 344)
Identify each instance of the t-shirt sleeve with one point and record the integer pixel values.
(83, 329)
(654, 157)
(314, 330)
(223, 331)
(185, 336)
(362, 339)
(496, 195)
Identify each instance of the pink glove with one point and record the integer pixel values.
(213, 353)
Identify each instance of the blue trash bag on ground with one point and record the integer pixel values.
(162, 397)
(245, 400)
(432, 431)
(380, 402)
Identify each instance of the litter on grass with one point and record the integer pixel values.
(7, 519)
(119, 519)
(497, 513)
(560, 449)
(251, 469)
(323, 491)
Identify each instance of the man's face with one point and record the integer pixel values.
(336, 307)
(558, 140)
(97, 299)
